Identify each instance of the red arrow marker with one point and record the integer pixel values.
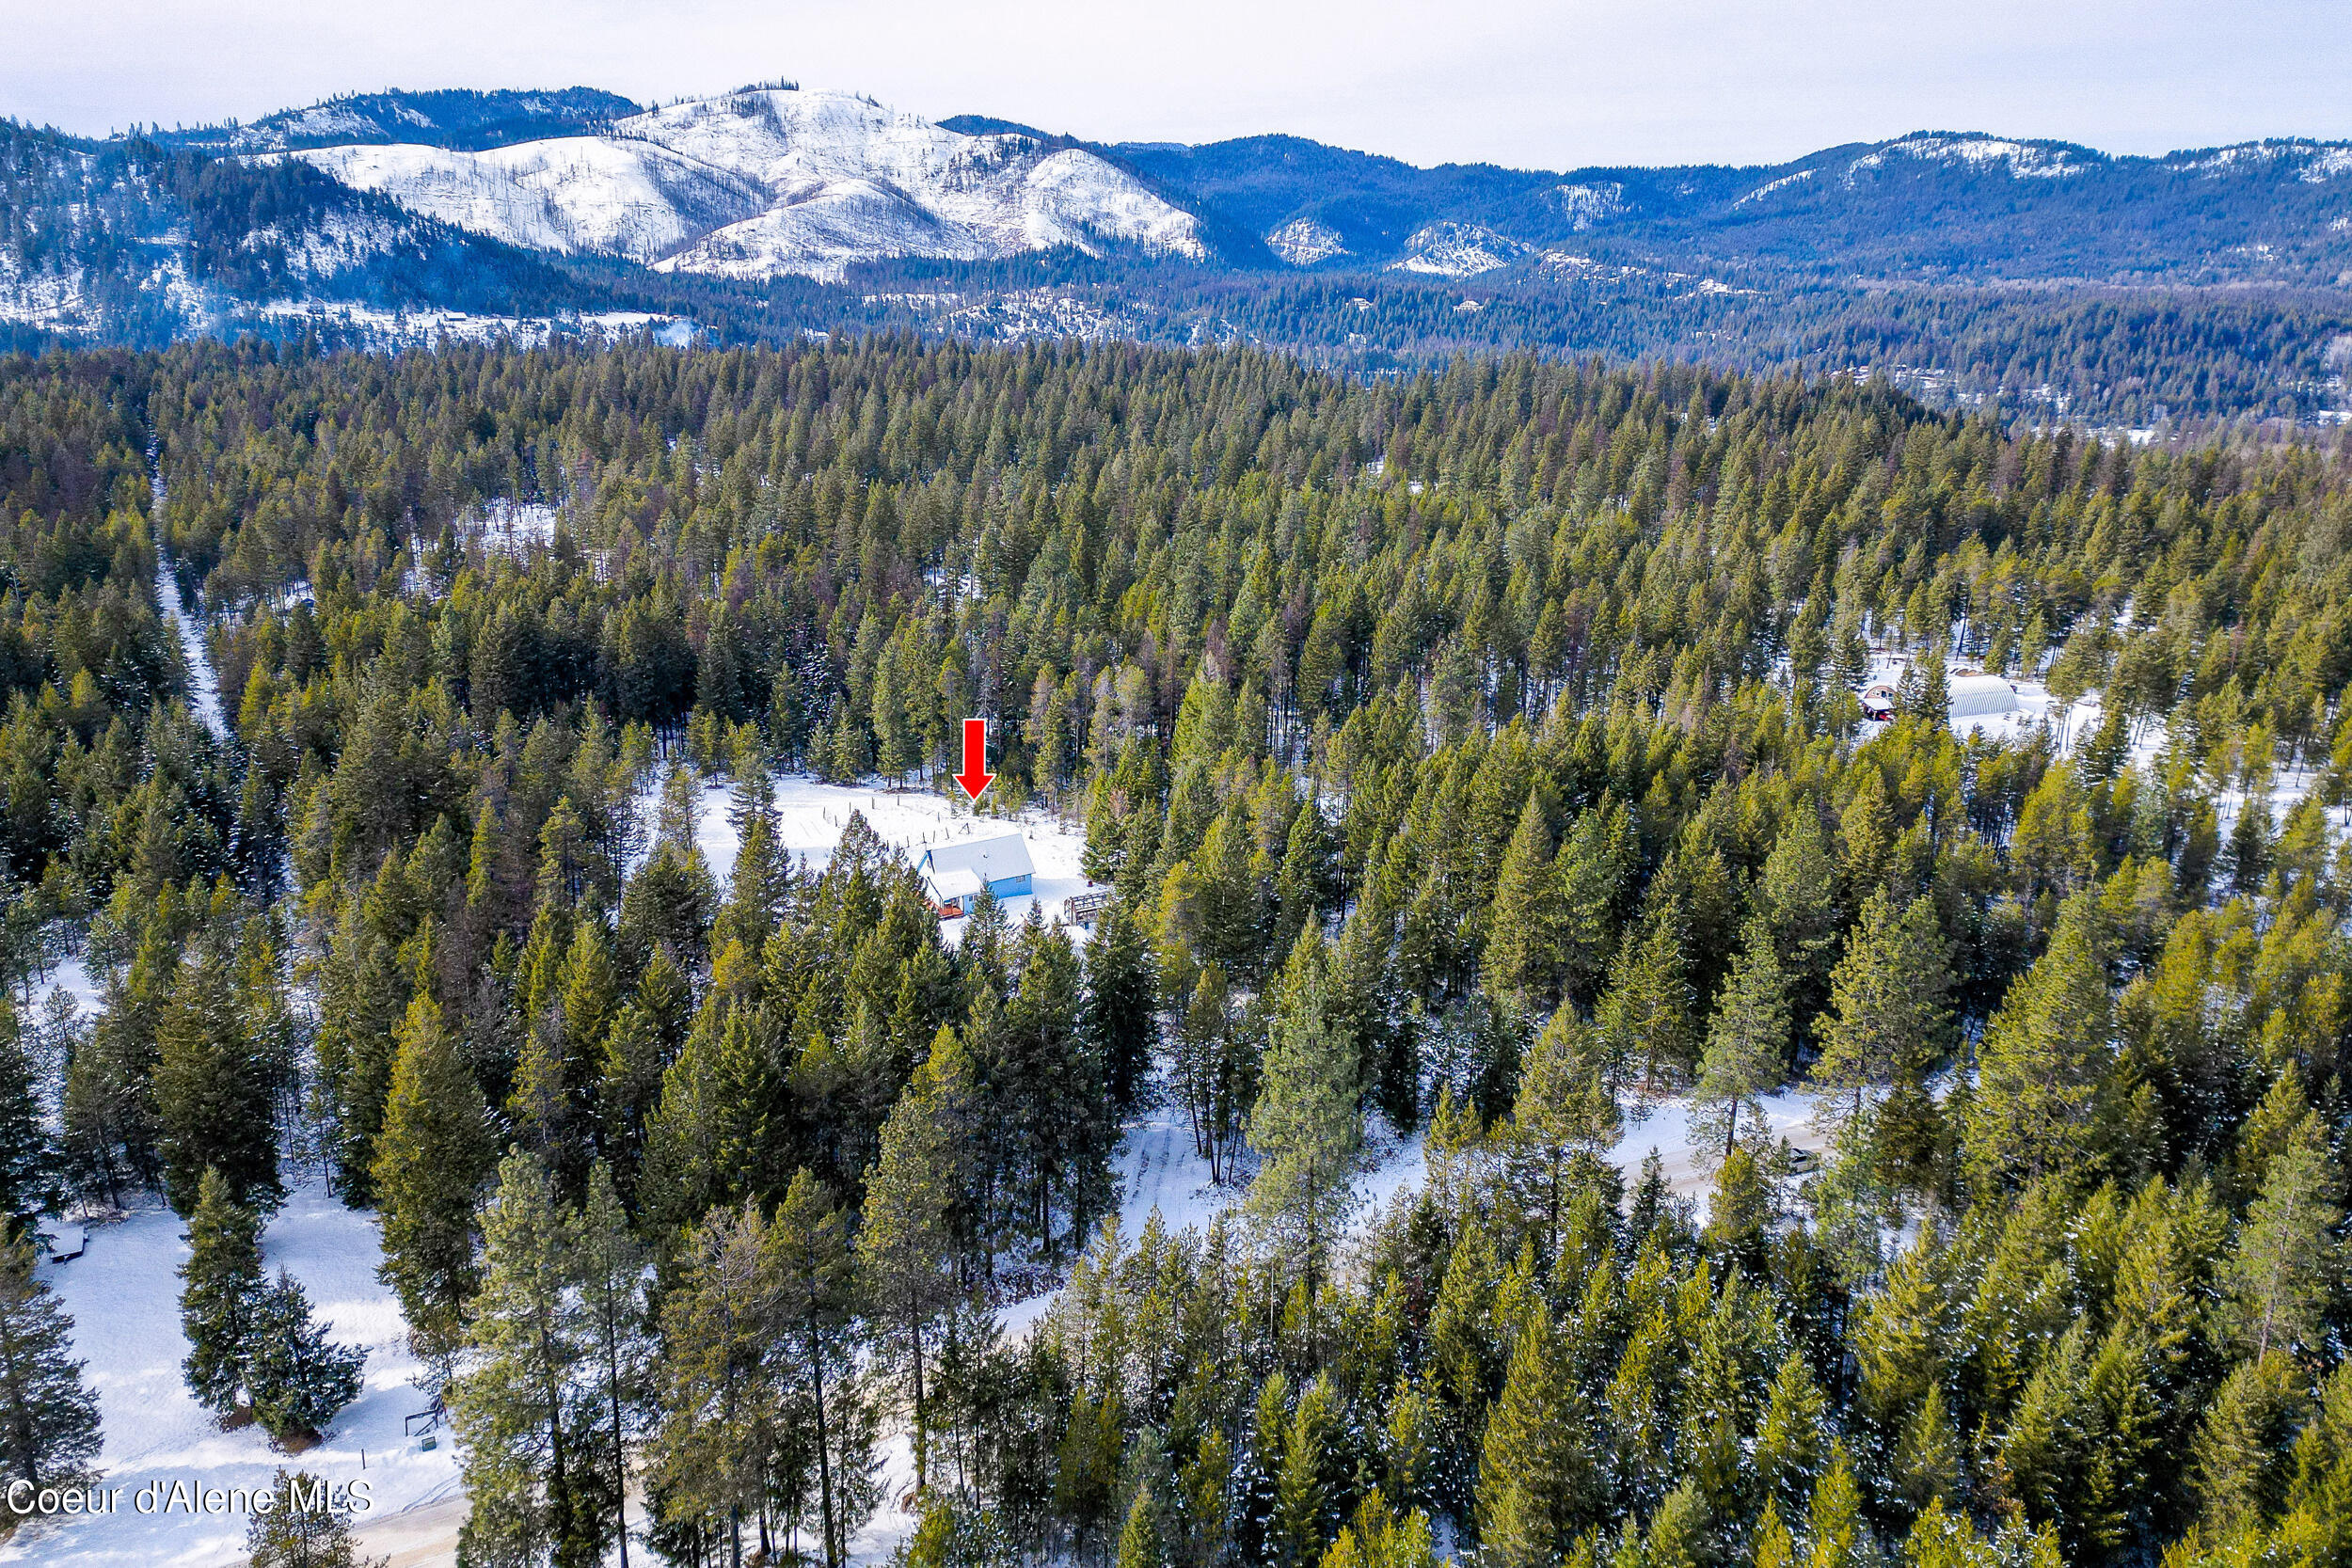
(976, 776)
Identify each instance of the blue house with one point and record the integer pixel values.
(954, 874)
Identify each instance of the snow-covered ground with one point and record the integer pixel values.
(811, 815)
(72, 976)
(203, 681)
(123, 1296)
(517, 529)
(1665, 1127)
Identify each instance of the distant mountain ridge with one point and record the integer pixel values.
(448, 117)
(815, 183)
(1966, 265)
(1933, 206)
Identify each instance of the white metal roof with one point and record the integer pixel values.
(950, 887)
(1975, 695)
(993, 859)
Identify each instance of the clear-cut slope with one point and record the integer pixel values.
(568, 193)
(755, 183)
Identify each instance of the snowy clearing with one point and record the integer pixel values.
(123, 1295)
(811, 815)
(1664, 1127)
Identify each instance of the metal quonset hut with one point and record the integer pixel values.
(1975, 696)
(954, 874)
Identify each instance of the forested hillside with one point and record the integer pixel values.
(1473, 756)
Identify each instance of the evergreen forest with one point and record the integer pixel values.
(1474, 759)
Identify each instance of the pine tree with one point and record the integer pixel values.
(430, 1162)
(815, 1305)
(1303, 1482)
(298, 1379)
(1523, 944)
(1378, 1538)
(1739, 1210)
(2281, 1277)
(48, 1420)
(1678, 1532)
(608, 1266)
(1593, 868)
(108, 1108)
(1927, 1458)
(761, 886)
(1791, 1443)
(628, 1088)
(1747, 1043)
(291, 1536)
(760, 1316)
(553, 1103)
(29, 1163)
(1775, 1546)
(2042, 1057)
(1645, 1015)
(1887, 1019)
(1538, 1484)
(222, 1299)
(1308, 1123)
(212, 1095)
(1118, 1021)
(2238, 1461)
(1835, 1536)
(524, 1415)
(1797, 896)
(906, 1244)
(2316, 1523)
(717, 1376)
(1139, 1538)
(1563, 1111)
(666, 908)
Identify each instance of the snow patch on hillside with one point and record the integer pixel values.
(1304, 242)
(338, 244)
(515, 528)
(1780, 184)
(1586, 205)
(1458, 250)
(429, 329)
(2020, 160)
(54, 301)
(203, 684)
(567, 193)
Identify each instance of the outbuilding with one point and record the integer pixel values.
(1980, 696)
(1969, 696)
(955, 874)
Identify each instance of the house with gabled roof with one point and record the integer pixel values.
(954, 875)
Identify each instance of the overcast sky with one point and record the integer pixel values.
(1531, 85)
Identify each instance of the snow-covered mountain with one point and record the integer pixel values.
(775, 181)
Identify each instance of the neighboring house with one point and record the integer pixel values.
(954, 874)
